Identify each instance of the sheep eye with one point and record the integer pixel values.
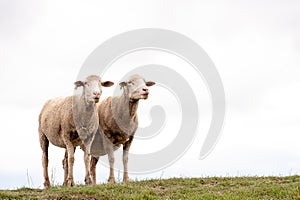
(86, 83)
(130, 83)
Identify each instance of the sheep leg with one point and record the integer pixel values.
(126, 148)
(44, 142)
(65, 166)
(70, 179)
(111, 159)
(86, 158)
(70, 150)
(94, 161)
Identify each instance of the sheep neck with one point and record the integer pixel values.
(86, 111)
(132, 105)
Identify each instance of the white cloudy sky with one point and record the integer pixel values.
(255, 46)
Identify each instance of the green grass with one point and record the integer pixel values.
(175, 188)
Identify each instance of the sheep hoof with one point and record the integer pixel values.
(88, 181)
(111, 180)
(47, 184)
(70, 182)
(126, 180)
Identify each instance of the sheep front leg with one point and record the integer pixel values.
(70, 149)
(65, 167)
(126, 148)
(94, 161)
(111, 159)
(86, 157)
(70, 179)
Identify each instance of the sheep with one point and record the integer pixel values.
(68, 122)
(118, 122)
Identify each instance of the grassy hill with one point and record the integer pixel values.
(175, 188)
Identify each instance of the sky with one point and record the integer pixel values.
(255, 46)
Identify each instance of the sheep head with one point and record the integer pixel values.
(92, 88)
(136, 87)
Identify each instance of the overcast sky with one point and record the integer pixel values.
(255, 46)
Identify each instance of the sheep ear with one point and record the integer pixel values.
(150, 83)
(78, 84)
(122, 84)
(107, 83)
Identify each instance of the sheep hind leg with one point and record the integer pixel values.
(44, 142)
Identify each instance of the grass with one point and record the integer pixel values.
(175, 188)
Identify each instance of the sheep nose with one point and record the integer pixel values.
(97, 93)
(145, 89)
